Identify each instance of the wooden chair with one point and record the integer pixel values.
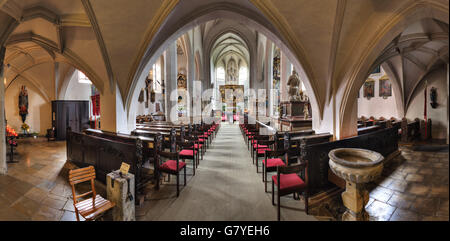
(93, 207)
(187, 151)
(260, 147)
(172, 166)
(288, 181)
(272, 160)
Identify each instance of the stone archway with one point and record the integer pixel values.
(367, 59)
(227, 11)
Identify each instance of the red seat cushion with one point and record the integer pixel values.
(263, 150)
(201, 140)
(171, 165)
(289, 181)
(187, 152)
(274, 162)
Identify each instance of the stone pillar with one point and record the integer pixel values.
(117, 192)
(113, 116)
(191, 74)
(57, 79)
(3, 166)
(171, 96)
(269, 78)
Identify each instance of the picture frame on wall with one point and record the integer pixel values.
(385, 88)
(369, 88)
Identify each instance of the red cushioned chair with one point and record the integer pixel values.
(187, 151)
(172, 166)
(272, 160)
(201, 140)
(250, 135)
(197, 146)
(288, 181)
(260, 146)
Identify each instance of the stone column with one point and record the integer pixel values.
(191, 74)
(3, 166)
(170, 66)
(113, 116)
(269, 77)
(57, 79)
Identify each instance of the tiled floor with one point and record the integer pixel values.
(414, 186)
(36, 188)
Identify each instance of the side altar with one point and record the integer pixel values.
(295, 114)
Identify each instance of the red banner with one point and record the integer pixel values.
(95, 105)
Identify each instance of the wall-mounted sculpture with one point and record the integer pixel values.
(23, 103)
(141, 96)
(433, 98)
(181, 81)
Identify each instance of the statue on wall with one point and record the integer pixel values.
(293, 83)
(23, 103)
(232, 72)
(181, 81)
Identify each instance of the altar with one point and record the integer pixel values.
(293, 116)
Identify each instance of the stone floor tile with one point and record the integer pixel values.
(404, 215)
(439, 191)
(380, 211)
(426, 206)
(414, 178)
(26, 206)
(435, 218)
(36, 194)
(398, 185)
(46, 213)
(401, 200)
(70, 216)
(53, 202)
(418, 189)
(381, 194)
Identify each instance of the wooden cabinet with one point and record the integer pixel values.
(69, 113)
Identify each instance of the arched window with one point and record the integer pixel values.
(220, 74)
(243, 75)
(82, 79)
(156, 75)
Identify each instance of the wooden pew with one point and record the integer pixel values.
(368, 129)
(106, 152)
(410, 131)
(384, 141)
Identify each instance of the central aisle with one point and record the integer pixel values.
(225, 187)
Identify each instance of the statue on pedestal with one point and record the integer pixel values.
(306, 110)
(293, 83)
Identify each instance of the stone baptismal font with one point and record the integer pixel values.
(356, 167)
